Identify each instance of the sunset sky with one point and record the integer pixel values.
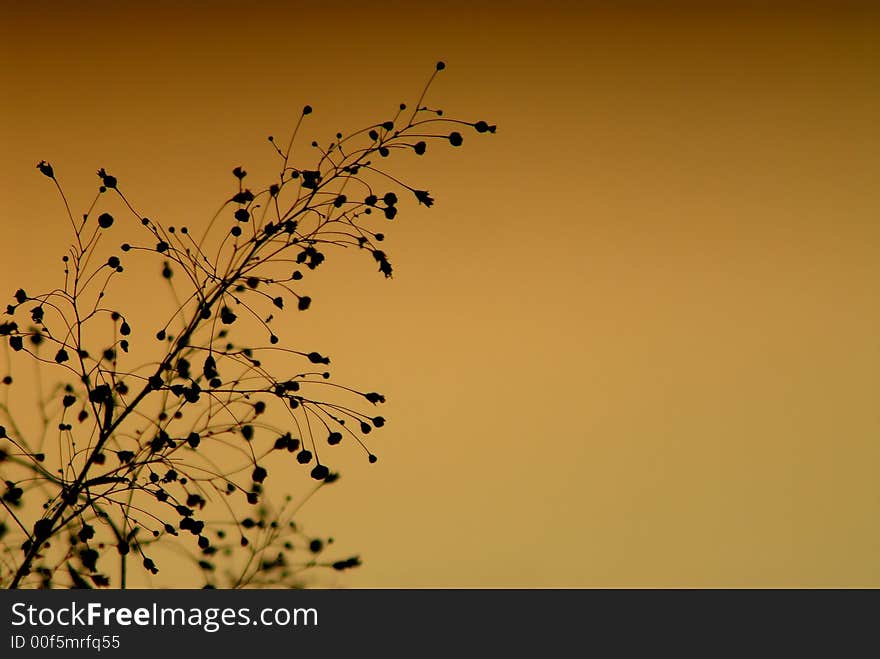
(635, 341)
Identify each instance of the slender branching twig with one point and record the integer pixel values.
(174, 451)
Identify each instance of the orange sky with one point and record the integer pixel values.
(635, 341)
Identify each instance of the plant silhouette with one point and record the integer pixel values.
(136, 455)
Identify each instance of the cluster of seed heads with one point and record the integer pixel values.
(180, 448)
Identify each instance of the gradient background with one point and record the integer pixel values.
(635, 341)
